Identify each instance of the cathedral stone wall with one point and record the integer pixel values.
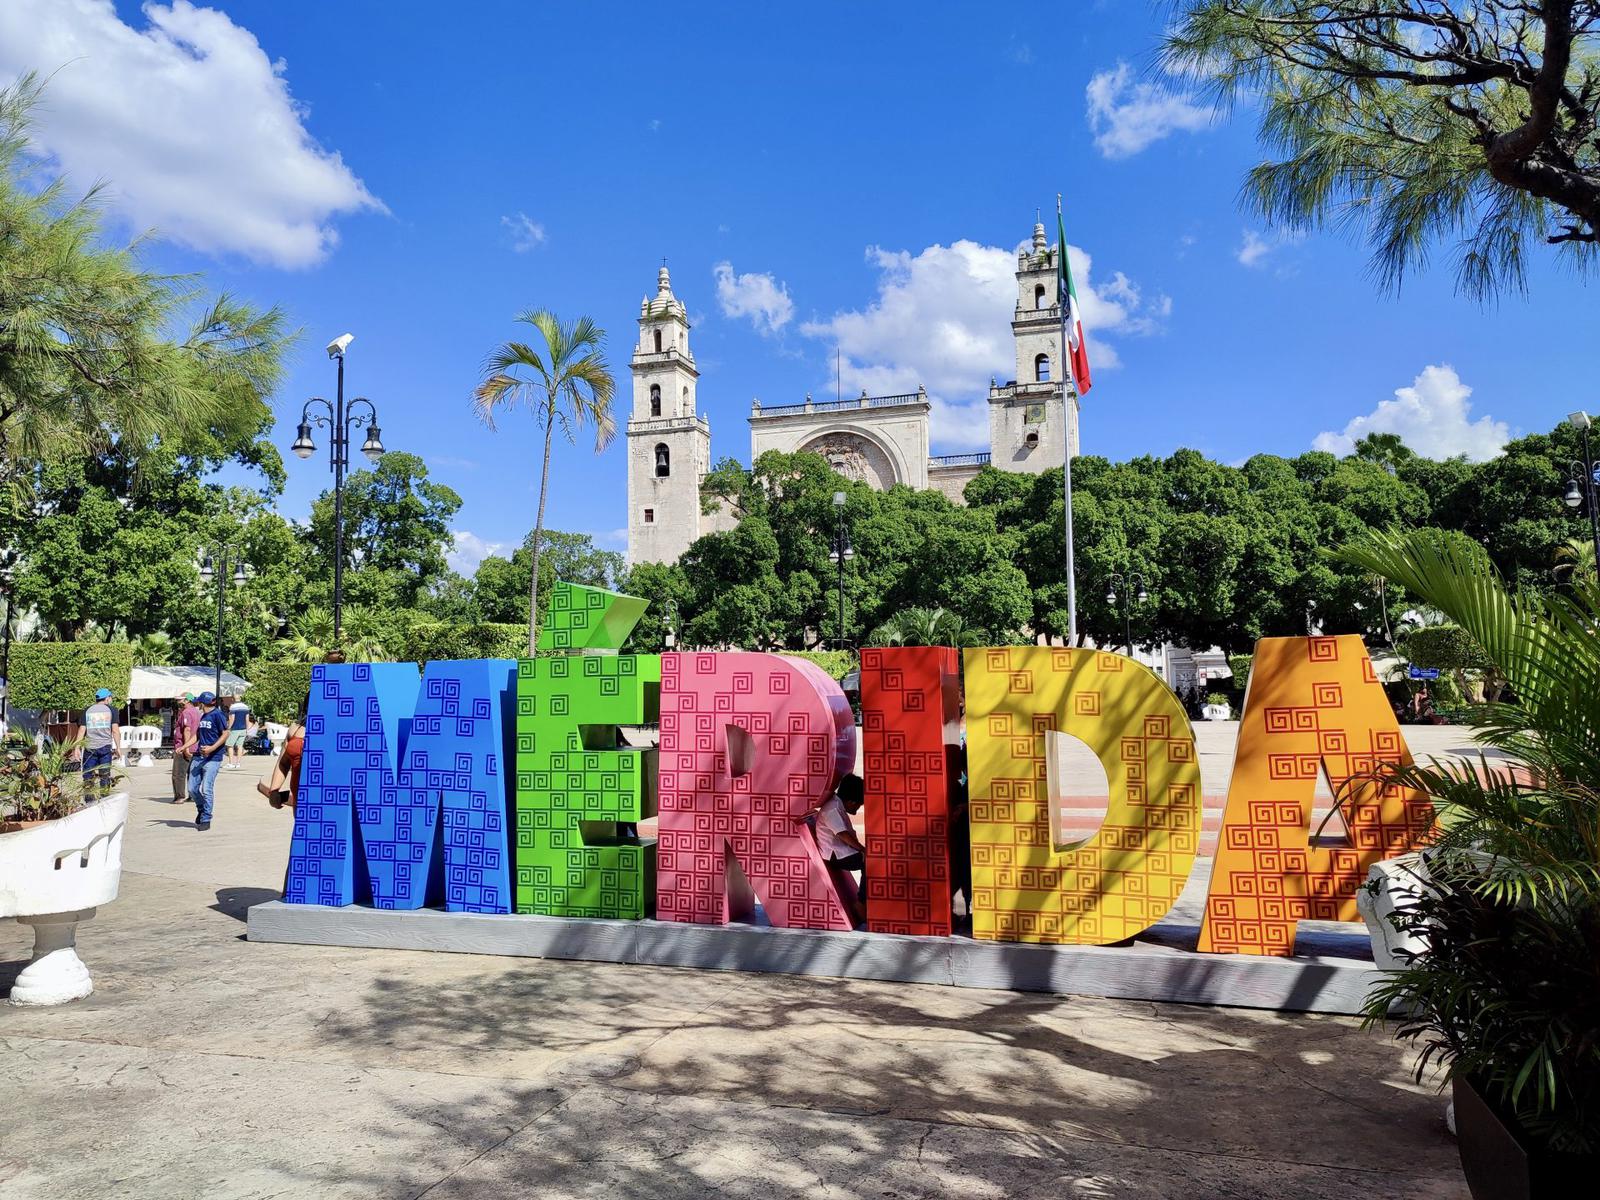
(879, 440)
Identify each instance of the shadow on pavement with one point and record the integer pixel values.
(236, 902)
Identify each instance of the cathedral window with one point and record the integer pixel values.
(1041, 368)
(655, 399)
(1039, 296)
(663, 461)
(649, 516)
(658, 340)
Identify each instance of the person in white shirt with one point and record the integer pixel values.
(839, 845)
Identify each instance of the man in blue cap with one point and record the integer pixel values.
(210, 739)
(102, 740)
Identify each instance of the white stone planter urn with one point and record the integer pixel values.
(1391, 883)
(53, 875)
(1216, 712)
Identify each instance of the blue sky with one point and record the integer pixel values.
(836, 176)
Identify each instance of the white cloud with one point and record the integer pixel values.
(757, 296)
(189, 121)
(942, 319)
(468, 550)
(1260, 250)
(526, 233)
(1126, 115)
(1432, 417)
(1253, 248)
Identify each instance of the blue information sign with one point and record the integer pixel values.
(1423, 672)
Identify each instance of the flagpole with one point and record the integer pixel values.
(1067, 377)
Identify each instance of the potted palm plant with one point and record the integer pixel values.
(60, 858)
(1496, 974)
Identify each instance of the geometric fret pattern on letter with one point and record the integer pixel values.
(575, 784)
(351, 752)
(749, 743)
(588, 618)
(1311, 701)
(455, 752)
(910, 728)
(1126, 877)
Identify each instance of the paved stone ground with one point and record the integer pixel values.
(208, 1066)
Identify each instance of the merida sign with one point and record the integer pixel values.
(499, 786)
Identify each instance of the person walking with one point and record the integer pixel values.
(102, 741)
(210, 745)
(183, 733)
(238, 728)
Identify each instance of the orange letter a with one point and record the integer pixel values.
(1311, 701)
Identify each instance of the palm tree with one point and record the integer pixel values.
(1574, 558)
(1505, 992)
(925, 627)
(572, 388)
(311, 637)
(152, 650)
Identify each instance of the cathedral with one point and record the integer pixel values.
(880, 440)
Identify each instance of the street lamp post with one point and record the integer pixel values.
(1586, 475)
(6, 567)
(341, 420)
(1133, 591)
(215, 566)
(841, 553)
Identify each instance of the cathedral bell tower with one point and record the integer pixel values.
(1030, 428)
(669, 446)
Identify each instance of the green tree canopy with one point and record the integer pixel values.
(396, 531)
(1416, 122)
(100, 357)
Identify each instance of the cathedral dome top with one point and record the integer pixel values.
(663, 282)
(1040, 244)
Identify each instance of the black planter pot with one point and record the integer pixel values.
(1502, 1163)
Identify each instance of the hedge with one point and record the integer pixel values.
(1446, 647)
(440, 642)
(55, 675)
(277, 689)
(837, 663)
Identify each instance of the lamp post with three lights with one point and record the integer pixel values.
(1585, 482)
(214, 566)
(341, 420)
(841, 553)
(1132, 590)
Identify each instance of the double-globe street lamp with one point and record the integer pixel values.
(214, 566)
(841, 553)
(341, 420)
(1585, 482)
(1133, 591)
(7, 567)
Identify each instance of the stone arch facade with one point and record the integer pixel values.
(858, 455)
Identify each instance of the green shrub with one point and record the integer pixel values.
(1446, 647)
(52, 675)
(1239, 664)
(837, 663)
(277, 690)
(439, 642)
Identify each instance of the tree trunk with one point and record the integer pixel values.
(538, 533)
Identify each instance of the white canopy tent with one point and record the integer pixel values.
(170, 683)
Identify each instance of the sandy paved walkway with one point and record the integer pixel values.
(208, 1066)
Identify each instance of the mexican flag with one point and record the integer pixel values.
(1071, 315)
